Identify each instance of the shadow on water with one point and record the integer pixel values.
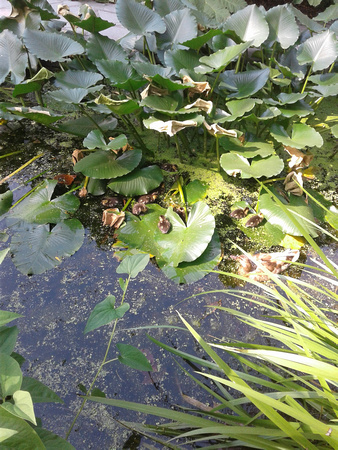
(57, 304)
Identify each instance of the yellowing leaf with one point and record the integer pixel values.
(293, 242)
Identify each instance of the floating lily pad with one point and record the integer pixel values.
(234, 163)
(104, 164)
(297, 207)
(39, 209)
(138, 182)
(302, 136)
(186, 242)
(190, 272)
(95, 139)
(36, 249)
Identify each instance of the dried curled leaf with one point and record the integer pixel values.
(65, 178)
(171, 127)
(77, 155)
(298, 159)
(199, 86)
(293, 183)
(113, 217)
(217, 130)
(153, 90)
(202, 105)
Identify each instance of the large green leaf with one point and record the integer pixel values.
(165, 104)
(36, 113)
(283, 27)
(237, 109)
(302, 136)
(320, 51)
(52, 441)
(13, 57)
(122, 75)
(190, 272)
(6, 200)
(220, 59)
(297, 206)
(95, 139)
(181, 25)
(35, 249)
(101, 47)
(181, 59)
(75, 95)
(104, 313)
(10, 375)
(104, 164)
(198, 42)
(138, 182)
(244, 84)
(139, 19)
(39, 209)
(249, 24)
(186, 242)
(143, 234)
(51, 46)
(15, 431)
(133, 357)
(234, 163)
(164, 7)
(91, 23)
(82, 126)
(76, 78)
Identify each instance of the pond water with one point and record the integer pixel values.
(57, 304)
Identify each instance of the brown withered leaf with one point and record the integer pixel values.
(76, 156)
(202, 105)
(298, 159)
(171, 127)
(217, 130)
(113, 217)
(153, 90)
(64, 178)
(199, 87)
(293, 183)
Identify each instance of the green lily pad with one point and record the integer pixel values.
(36, 249)
(186, 242)
(190, 272)
(249, 150)
(234, 163)
(297, 207)
(138, 182)
(39, 209)
(95, 139)
(302, 136)
(104, 164)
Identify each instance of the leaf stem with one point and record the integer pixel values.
(178, 148)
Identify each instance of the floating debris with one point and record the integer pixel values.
(113, 217)
(273, 262)
(164, 224)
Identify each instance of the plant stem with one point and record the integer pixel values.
(133, 130)
(10, 154)
(127, 204)
(82, 108)
(20, 168)
(306, 79)
(27, 194)
(178, 148)
(217, 154)
(238, 64)
(150, 56)
(85, 398)
(214, 84)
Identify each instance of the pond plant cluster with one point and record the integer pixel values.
(234, 88)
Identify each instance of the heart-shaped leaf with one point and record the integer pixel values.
(133, 357)
(249, 24)
(104, 164)
(302, 136)
(13, 57)
(244, 84)
(22, 406)
(95, 139)
(320, 51)
(138, 19)
(51, 46)
(133, 264)
(187, 242)
(138, 182)
(283, 26)
(74, 78)
(101, 47)
(181, 25)
(35, 249)
(234, 163)
(104, 313)
(190, 272)
(39, 209)
(39, 392)
(15, 430)
(121, 75)
(297, 206)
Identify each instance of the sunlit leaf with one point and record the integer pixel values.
(234, 163)
(283, 27)
(76, 78)
(302, 136)
(320, 51)
(35, 249)
(133, 264)
(13, 57)
(138, 182)
(95, 139)
(138, 19)
(10, 375)
(104, 313)
(102, 47)
(244, 84)
(104, 164)
(22, 406)
(181, 25)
